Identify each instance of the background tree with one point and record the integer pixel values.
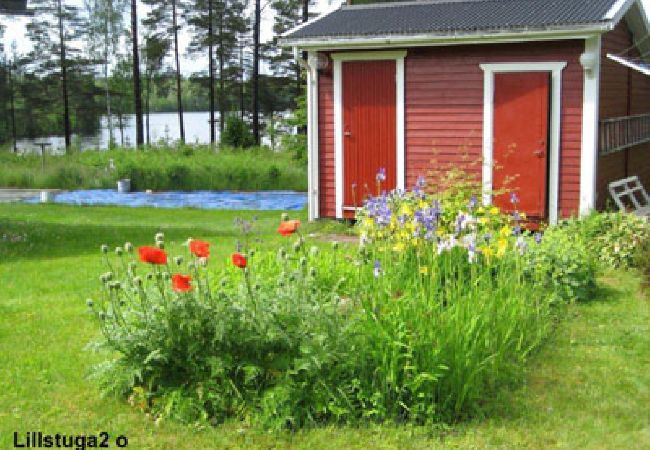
(106, 25)
(137, 89)
(54, 30)
(255, 77)
(164, 16)
(155, 49)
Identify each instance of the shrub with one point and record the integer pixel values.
(562, 265)
(236, 133)
(614, 239)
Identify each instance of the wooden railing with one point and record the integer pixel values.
(620, 133)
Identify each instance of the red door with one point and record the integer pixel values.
(369, 128)
(521, 128)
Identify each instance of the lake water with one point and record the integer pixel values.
(261, 201)
(162, 126)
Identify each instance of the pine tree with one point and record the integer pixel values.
(54, 30)
(105, 27)
(218, 24)
(288, 14)
(165, 15)
(137, 89)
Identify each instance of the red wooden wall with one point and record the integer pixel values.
(444, 112)
(623, 92)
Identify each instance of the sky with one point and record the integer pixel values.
(15, 31)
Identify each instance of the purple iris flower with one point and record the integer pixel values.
(538, 238)
(473, 202)
(377, 269)
(516, 215)
(516, 231)
(381, 175)
(487, 237)
(514, 199)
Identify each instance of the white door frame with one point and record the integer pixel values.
(338, 58)
(555, 69)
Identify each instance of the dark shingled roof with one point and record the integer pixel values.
(453, 16)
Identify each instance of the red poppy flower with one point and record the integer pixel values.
(181, 283)
(200, 249)
(152, 255)
(239, 260)
(288, 227)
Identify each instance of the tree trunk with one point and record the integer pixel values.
(147, 106)
(12, 110)
(137, 90)
(64, 81)
(213, 137)
(222, 85)
(179, 92)
(242, 105)
(109, 116)
(256, 73)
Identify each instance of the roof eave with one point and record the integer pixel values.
(425, 39)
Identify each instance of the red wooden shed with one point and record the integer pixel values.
(553, 95)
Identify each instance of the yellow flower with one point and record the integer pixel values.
(368, 222)
(505, 231)
(406, 210)
(399, 247)
(480, 210)
(494, 210)
(424, 270)
(422, 204)
(487, 252)
(502, 246)
(523, 216)
(440, 232)
(483, 220)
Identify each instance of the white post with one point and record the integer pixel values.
(590, 61)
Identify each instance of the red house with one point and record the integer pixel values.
(553, 95)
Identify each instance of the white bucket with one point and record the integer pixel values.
(47, 197)
(124, 186)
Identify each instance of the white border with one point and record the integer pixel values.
(313, 153)
(590, 125)
(339, 58)
(555, 68)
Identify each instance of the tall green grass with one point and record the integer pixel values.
(183, 168)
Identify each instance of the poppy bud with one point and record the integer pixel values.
(166, 276)
(251, 253)
(257, 286)
(160, 245)
(137, 281)
(335, 245)
(160, 237)
(128, 247)
(150, 276)
(191, 266)
(281, 283)
(282, 253)
(203, 262)
(296, 246)
(178, 260)
(314, 251)
(285, 217)
(312, 271)
(90, 303)
(116, 285)
(303, 261)
(119, 251)
(102, 315)
(104, 249)
(132, 267)
(223, 283)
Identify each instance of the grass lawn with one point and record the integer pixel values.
(588, 388)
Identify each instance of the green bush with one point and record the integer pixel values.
(614, 239)
(562, 265)
(237, 133)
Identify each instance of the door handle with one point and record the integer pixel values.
(540, 153)
(347, 133)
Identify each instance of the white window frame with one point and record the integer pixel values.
(555, 69)
(339, 58)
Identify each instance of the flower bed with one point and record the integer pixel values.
(439, 306)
